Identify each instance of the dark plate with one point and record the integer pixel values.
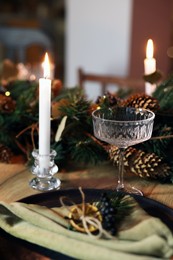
(51, 199)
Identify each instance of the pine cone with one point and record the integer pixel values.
(56, 87)
(108, 99)
(145, 165)
(56, 112)
(5, 154)
(7, 104)
(142, 101)
(114, 155)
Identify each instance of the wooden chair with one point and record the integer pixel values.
(136, 85)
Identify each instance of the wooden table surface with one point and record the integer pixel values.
(14, 182)
(14, 185)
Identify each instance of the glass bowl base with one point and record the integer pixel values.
(45, 184)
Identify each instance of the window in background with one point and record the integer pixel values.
(44, 19)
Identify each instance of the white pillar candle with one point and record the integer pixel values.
(149, 67)
(44, 115)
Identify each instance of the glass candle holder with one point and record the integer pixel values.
(44, 180)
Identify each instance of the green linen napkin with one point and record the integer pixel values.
(148, 239)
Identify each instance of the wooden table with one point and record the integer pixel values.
(14, 182)
(14, 185)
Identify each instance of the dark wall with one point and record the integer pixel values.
(151, 19)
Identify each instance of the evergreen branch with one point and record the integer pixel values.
(104, 145)
(161, 137)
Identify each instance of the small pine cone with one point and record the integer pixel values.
(7, 104)
(142, 101)
(108, 99)
(112, 98)
(5, 154)
(56, 107)
(114, 154)
(145, 165)
(148, 165)
(56, 87)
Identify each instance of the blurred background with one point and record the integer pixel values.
(100, 36)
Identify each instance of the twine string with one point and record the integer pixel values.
(86, 221)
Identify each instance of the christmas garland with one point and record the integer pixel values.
(72, 130)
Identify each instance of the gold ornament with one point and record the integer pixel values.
(82, 216)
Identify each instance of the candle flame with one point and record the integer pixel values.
(46, 66)
(150, 49)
